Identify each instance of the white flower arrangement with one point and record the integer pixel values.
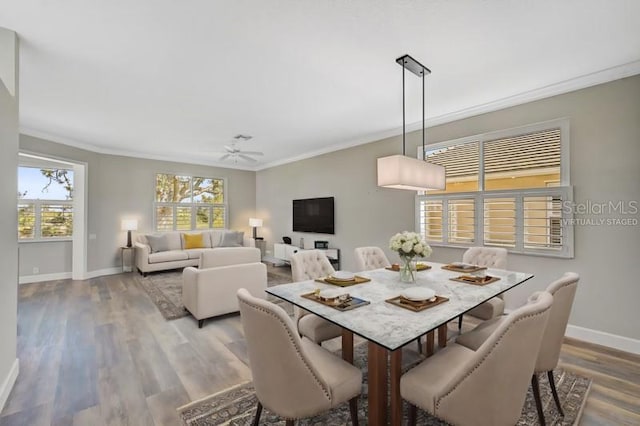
(410, 244)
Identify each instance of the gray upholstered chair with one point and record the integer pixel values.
(487, 386)
(368, 258)
(293, 377)
(309, 265)
(490, 257)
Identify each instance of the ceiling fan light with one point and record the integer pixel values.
(402, 172)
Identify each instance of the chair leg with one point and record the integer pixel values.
(419, 340)
(460, 323)
(289, 422)
(353, 408)
(256, 419)
(552, 383)
(536, 396)
(413, 414)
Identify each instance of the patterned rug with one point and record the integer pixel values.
(165, 289)
(236, 406)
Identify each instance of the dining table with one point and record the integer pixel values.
(388, 327)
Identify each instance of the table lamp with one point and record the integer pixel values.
(129, 225)
(255, 223)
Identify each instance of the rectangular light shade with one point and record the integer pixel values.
(402, 172)
(256, 223)
(129, 225)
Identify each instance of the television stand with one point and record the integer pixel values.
(285, 251)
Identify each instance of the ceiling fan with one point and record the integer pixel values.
(235, 153)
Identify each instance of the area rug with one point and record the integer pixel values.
(165, 289)
(236, 406)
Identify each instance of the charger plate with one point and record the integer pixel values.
(469, 279)
(455, 268)
(343, 283)
(416, 306)
(350, 303)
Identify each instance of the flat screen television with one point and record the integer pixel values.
(313, 215)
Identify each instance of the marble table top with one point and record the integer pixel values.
(391, 326)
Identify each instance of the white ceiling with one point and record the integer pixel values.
(174, 79)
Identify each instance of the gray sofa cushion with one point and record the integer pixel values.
(232, 239)
(158, 243)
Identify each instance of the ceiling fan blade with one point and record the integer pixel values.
(252, 152)
(224, 157)
(245, 157)
(228, 148)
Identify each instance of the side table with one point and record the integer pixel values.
(262, 245)
(127, 266)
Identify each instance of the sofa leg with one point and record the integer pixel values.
(200, 323)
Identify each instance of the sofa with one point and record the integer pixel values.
(175, 249)
(211, 290)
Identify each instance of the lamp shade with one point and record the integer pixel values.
(256, 223)
(402, 172)
(129, 225)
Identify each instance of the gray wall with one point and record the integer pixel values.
(605, 165)
(124, 187)
(52, 257)
(8, 190)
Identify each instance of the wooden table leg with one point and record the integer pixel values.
(377, 385)
(395, 371)
(347, 345)
(428, 350)
(442, 335)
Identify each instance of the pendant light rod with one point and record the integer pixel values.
(409, 63)
(404, 132)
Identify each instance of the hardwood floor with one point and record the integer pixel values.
(98, 352)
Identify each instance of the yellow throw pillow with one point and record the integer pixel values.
(192, 241)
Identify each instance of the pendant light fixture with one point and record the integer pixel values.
(400, 171)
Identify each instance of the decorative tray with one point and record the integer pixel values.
(419, 267)
(345, 304)
(343, 283)
(470, 279)
(416, 306)
(472, 268)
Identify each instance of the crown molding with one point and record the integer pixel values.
(188, 159)
(581, 82)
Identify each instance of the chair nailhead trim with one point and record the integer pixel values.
(481, 361)
(304, 361)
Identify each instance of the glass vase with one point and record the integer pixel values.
(407, 270)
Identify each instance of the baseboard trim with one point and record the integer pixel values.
(26, 279)
(103, 272)
(9, 381)
(621, 343)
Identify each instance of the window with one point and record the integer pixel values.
(45, 204)
(503, 189)
(189, 202)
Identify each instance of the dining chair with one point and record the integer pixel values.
(486, 386)
(309, 265)
(368, 258)
(293, 377)
(489, 257)
(563, 291)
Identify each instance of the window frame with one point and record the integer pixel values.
(38, 203)
(564, 189)
(192, 205)
(37, 225)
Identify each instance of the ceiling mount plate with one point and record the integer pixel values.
(412, 65)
